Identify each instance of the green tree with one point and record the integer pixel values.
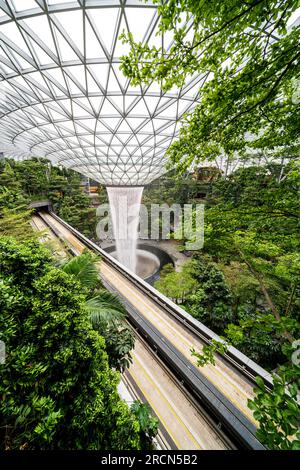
(57, 390)
(38, 179)
(33, 176)
(178, 286)
(262, 347)
(248, 59)
(255, 221)
(8, 176)
(76, 210)
(14, 214)
(12, 198)
(108, 316)
(276, 410)
(149, 424)
(84, 268)
(212, 301)
(106, 311)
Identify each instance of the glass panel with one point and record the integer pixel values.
(56, 2)
(92, 44)
(138, 21)
(105, 21)
(72, 22)
(79, 79)
(100, 73)
(40, 26)
(65, 51)
(24, 4)
(108, 109)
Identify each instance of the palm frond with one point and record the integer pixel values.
(84, 269)
(105, 309)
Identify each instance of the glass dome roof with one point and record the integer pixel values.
(63, 97)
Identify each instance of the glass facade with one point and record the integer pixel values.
(64, 98)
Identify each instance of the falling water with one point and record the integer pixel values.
(125, 205)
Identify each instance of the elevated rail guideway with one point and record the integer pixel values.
(183, 425)
(222, 390)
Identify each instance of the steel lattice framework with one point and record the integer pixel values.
(63, 96)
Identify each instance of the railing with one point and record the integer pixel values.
(233, 355)
(220, 408)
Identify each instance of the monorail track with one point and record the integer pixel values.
(221, 391)
(183, 425)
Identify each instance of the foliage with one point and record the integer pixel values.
(15, 223)
(105, 309)
(217, 305)
(211, 303)
(244, 288)
(276, 410)
(75, 210)
(119, 342)
(248, 59)
(179, 286)
(148, 423)
(12, 199)
(255, 221)
(172, 190)
(37, 179)
(14, 214)
(23, 262)
(209, 351)
(108, 315)
(85, 270)
(57, 391)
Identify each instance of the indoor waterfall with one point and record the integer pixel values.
(125, 205)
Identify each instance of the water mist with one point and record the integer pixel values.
(125, 203)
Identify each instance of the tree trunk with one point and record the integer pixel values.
(266, 294)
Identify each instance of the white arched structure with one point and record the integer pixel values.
(64, 98)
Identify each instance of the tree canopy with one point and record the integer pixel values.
(36, 179)
(246, 284)
(14, 213)
(247, 54)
